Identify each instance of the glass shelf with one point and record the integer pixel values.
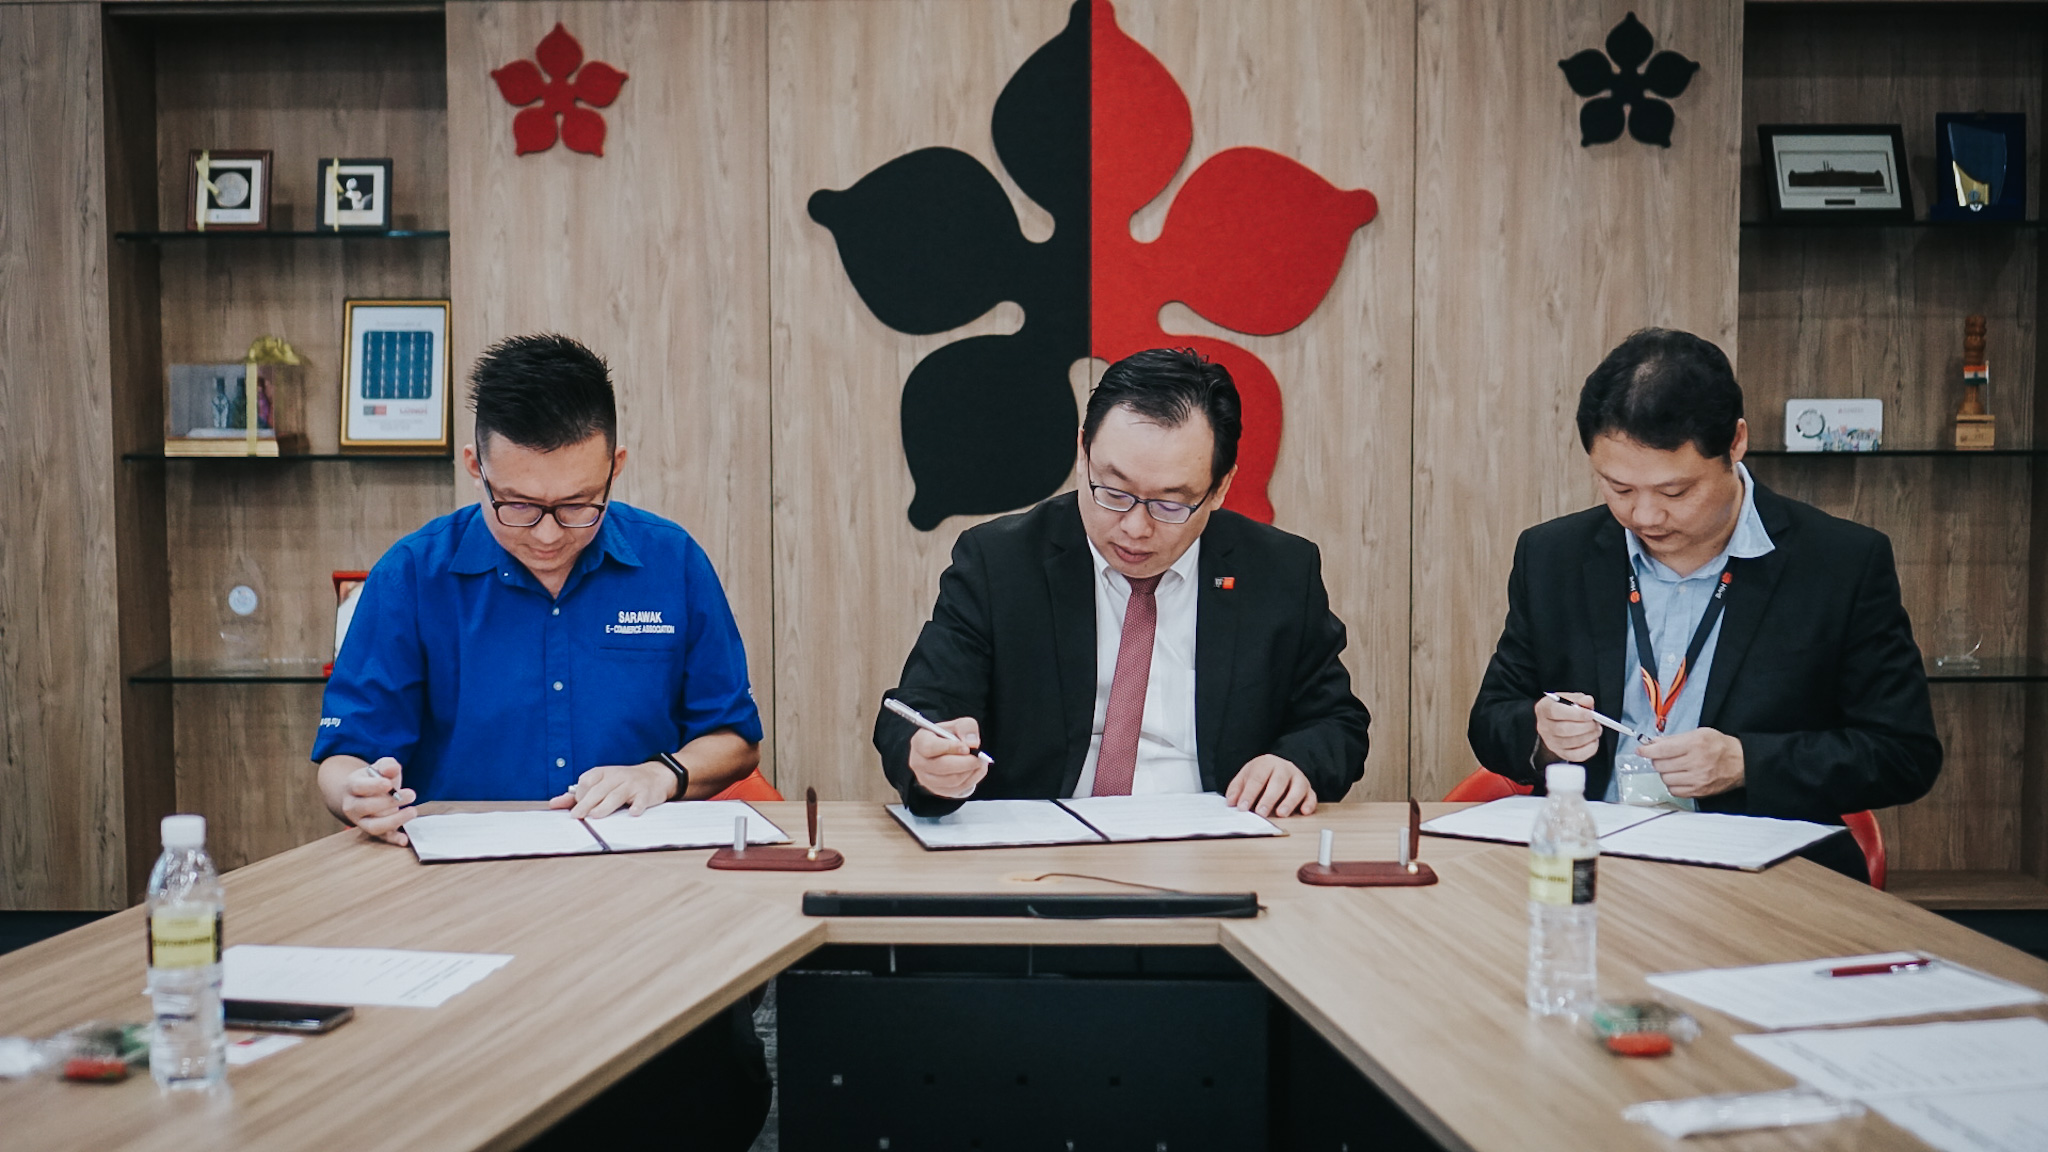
(1959, 453)
(293, 458)
(399, 234)
(1938, 225)
(2008, 670)
(214, 672)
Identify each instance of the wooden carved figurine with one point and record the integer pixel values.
(1975, 428)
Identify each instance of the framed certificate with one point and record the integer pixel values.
(395, 376)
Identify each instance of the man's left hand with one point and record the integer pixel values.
(604, 790)
(1702, 762)
(1271, 786)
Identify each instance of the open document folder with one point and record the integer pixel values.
(553, 832)
(1084, 820)
(1715, 839)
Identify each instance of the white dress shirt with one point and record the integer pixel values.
(1166, 738)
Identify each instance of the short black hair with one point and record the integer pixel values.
(1167, 386)
(542, 392)
(1663, 388)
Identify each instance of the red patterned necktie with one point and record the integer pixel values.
(1117, 760)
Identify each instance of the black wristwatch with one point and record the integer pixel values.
(676, 766)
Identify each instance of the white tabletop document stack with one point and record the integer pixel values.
(1084, 820)
(1715, 839)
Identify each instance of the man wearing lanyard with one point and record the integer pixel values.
(550, 643)
(1761, 642)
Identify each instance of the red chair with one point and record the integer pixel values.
(1483, 785)
(1863, 826)
(753, 787)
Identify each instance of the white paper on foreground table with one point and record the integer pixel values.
(1802, 995)
(387, 977)
(2011, 1121)
(1716, 839)
(501, 835)
(997, 824)
(1870, 1064)
(689, 824)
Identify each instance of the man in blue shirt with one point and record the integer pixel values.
(1759, 641)
(546, 643)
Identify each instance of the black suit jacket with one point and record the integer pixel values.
(1011, 642)
(1815, 671)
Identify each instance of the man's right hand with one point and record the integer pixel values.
(940, 765)
(1568, 733)
(375, 802)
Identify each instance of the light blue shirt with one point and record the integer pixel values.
(1673, 605)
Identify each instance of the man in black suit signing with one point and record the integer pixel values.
(1758, 641)
(1131, 637)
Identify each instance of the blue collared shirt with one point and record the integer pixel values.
(1673, 605)
(483, 687)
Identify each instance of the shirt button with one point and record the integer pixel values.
(555, 612)
(561, 763)
(558, 685)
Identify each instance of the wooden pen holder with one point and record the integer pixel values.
(1365, 874)
(781, 858)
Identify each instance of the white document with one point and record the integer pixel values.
(690, 824)
(997, 824)
(1510, 819)
(1802, 994)
(1913, 1059)
(1167, 816)
(500, 835)
(380, 976)
(1718, 839)
(2010, 1121)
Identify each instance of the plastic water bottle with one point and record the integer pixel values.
(1564, 854)
(188, 1047)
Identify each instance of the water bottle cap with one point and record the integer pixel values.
(184, 831)
(1559, 779)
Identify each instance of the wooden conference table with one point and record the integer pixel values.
(617, 956)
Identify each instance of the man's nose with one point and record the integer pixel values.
(548, 530)
(1137, 523)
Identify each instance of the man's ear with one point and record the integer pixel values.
(1739, 447)
(471, 462)
(618, 461)
(1223, 487)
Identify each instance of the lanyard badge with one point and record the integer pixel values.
(1662, 698)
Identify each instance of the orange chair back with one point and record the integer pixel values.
(753, 787)
(1483, 785)
(1863, 826)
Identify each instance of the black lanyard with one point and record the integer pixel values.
(1661, 698)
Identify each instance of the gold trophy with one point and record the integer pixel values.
(1976, 429)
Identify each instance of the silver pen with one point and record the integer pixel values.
(1603, 721)
(918, 718)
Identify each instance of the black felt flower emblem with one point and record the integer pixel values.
(1629, 85)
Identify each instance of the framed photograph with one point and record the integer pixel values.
(395, 376)
(354, 195)
(227, 190)
(1836, 173)
(1980, 167)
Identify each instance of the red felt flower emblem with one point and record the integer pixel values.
(568, 81)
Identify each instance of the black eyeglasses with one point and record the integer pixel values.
(1164, 511)
(519, 514)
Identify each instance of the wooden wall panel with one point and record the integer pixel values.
(656, 256)
(1535, 256)
(1324, 82)
(1879, 312)
(62, 823)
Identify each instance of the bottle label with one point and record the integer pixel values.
(184, 939)
(1562, 879)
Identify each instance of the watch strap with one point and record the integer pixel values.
(676, 766)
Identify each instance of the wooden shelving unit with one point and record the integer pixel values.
(1878, 311)
(220, 711)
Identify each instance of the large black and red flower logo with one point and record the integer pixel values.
(1092, 127)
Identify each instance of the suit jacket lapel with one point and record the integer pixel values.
(1216, 618)
(1605, 577)
(1748, 596)
(1070, 584)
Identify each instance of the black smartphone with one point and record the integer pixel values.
(267, 1016)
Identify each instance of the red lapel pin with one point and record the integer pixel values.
(1226, 582)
